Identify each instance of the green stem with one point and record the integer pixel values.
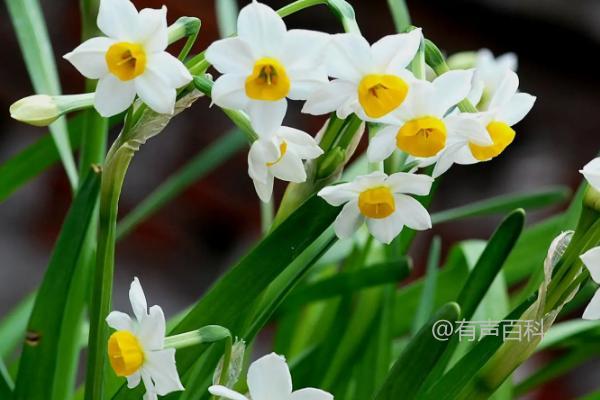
(206, 334)
(400, 14)
(266, 215)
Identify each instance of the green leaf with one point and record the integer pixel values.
(6, 383)
(348, 282)
(34, 159)
(233, 296)
(30, 27)
(426, 305)
(14, 325)
(409, 372)
(227, 12)
(44, 328)
(503, 204)
(491, 261)
(207, 160)
(451, 383)
(564, 333)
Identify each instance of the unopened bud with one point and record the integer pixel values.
(42, 110)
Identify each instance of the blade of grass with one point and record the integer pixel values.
(32, 34)
(43, 331)
(423, 351)
(428, 294)
(6, 383)
(503, 204)
(207, 160)
(13, 326)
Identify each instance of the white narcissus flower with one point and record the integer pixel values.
(506, 108)
(420, 127)
(279, 154)
(489, 73)
(382, 201)
(265, 64)
(131, 59)
(591, 259)
(591, 172)
(371, 81)
(136, 350)
(269, 379)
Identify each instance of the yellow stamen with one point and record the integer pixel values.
(282, 151)
(376, 202)
(125, 353)
(422, 137)
(126, 60)
(268, 80)
(379, 94)
(502, 135)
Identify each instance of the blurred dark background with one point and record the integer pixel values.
(184, 247)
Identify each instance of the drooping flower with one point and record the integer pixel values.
(489, 73)
(591, 172)
(136, 350)
(382, 201)
(591, 259)
(269, 379)
(506, 108)
(265, 64)
(371, 81)
(421, 127)
(131, 59)
(279, 154)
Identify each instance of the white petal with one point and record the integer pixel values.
(229, 92)
(262, 28)
(348, 220)
(402, 182)
(349, 57)
(330, 97)
(507, 89)
(451, 88)
(393, 53)
(169, 69)
(304, 49)
(149, 384)
(138, 299)
(152, 329)
(119, 321)
(152, 30)
(591, 172)
(261, 152)
(230, 55)
(222, 391)
(477, 88)
(375, 178)
(311, 394)
(447, 158)
(156, 92)
(507, 61)
(90, 57)
(385, 229)
(269, 378)
(264, 190)
(161, 366)
(118, 19)
(337, 195)
(591, 259)
(383, 144)
(421, 101)
(412, 213)
(266, 116)
(467, 127)
(113, 95)
(134, 380)
(516, 109)
(592, 311)
(290, 168)
(305, 82)
(304, 145)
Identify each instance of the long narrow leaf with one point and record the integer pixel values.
(32, 34)
(43, 331)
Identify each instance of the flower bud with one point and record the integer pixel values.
(42, 110)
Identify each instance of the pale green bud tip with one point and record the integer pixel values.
(37, 110)
(591, 199)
